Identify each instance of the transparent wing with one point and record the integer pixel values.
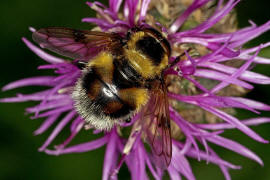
(156, 125)
(77, 44)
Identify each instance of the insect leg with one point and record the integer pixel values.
(178, 58)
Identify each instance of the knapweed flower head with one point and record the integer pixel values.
(188, 88)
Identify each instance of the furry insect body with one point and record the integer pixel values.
(108, 91)
(119, 77)
(115, 84)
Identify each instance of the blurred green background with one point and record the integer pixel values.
(19, 158)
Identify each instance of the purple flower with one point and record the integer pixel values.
(121, 16)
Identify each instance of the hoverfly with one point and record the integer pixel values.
(120, 76)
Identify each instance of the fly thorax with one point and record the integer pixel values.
(146, 54)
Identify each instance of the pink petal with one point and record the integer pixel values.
(248, 122)
(42, 54)
(234, 121)
(180, 163)
(89, 146)
(58, 129)
(234, 146)
(34, 81)
(143, 8)
(210, 74)
(111, 156)
(246, 75)
(183, 17)
(46, 124)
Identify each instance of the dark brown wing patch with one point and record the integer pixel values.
(78, 44)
